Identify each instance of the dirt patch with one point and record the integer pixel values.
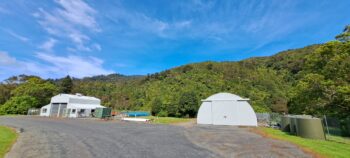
(187, 124)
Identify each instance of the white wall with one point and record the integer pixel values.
(247, 116)
(71, 114)
(226, 112)
(47, 113)
(204, 114)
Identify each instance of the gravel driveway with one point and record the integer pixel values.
(232, 141)
(53, 137)
(48, 137)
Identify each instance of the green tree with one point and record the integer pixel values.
(173, 110)
(37, 88)
(66, 85)
(19, 105)
(188, 104)
(5, 92)
(309, 95)
(345, 36)
(157, 106)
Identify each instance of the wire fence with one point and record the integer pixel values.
(337, 127)
(269, 119)
(33, 111)
(332, 126)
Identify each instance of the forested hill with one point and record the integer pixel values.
(111, 78)
(310, 80)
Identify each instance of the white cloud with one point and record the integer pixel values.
(74, 65)
(141, 22)
(97, 47)
(17, 36)
(52, 66)
(70, 20)
(182, 24)
(6, 60)
(48, 45)
(79, 13)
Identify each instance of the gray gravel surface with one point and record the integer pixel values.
(48, 137)
(233, 141)
(54, 137)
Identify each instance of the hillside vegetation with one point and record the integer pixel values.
(311, 80)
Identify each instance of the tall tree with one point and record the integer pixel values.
(37, 88)
(156, 106)
(66, 85)
(188, 104)
(5, 92)
(345, 36)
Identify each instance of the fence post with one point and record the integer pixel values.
(325, 120)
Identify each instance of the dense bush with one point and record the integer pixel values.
(19, 105)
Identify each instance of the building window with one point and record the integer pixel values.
(73, 111)
(44, 110)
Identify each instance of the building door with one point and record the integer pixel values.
(224, 113)
(54, 109)
(62, 108)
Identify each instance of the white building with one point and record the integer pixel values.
(226, 109)
(68, 105)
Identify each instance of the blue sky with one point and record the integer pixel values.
(83, 38)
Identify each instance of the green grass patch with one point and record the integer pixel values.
(7, 137)
(10, 115)
(167, 120)
(334, 146)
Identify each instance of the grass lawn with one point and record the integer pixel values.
(332, 147)
(167, 120)
(7, 138)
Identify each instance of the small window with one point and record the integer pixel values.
(73, 111)
(82, 110)
(44, 110)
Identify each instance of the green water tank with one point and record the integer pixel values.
(103, 112)
(293, 125)
(285, 123)
(309, 128)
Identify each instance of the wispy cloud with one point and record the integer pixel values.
(6, 60)
(143, 23)
(78, 12)
(72, 20)
(49, 65)
(138, 21)
(17, 36)
(74, 65)
(48, 45)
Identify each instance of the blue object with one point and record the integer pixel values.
(136, 113)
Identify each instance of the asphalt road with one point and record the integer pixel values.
(47, 137)
(54, 137)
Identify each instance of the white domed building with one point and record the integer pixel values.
(226, 109)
